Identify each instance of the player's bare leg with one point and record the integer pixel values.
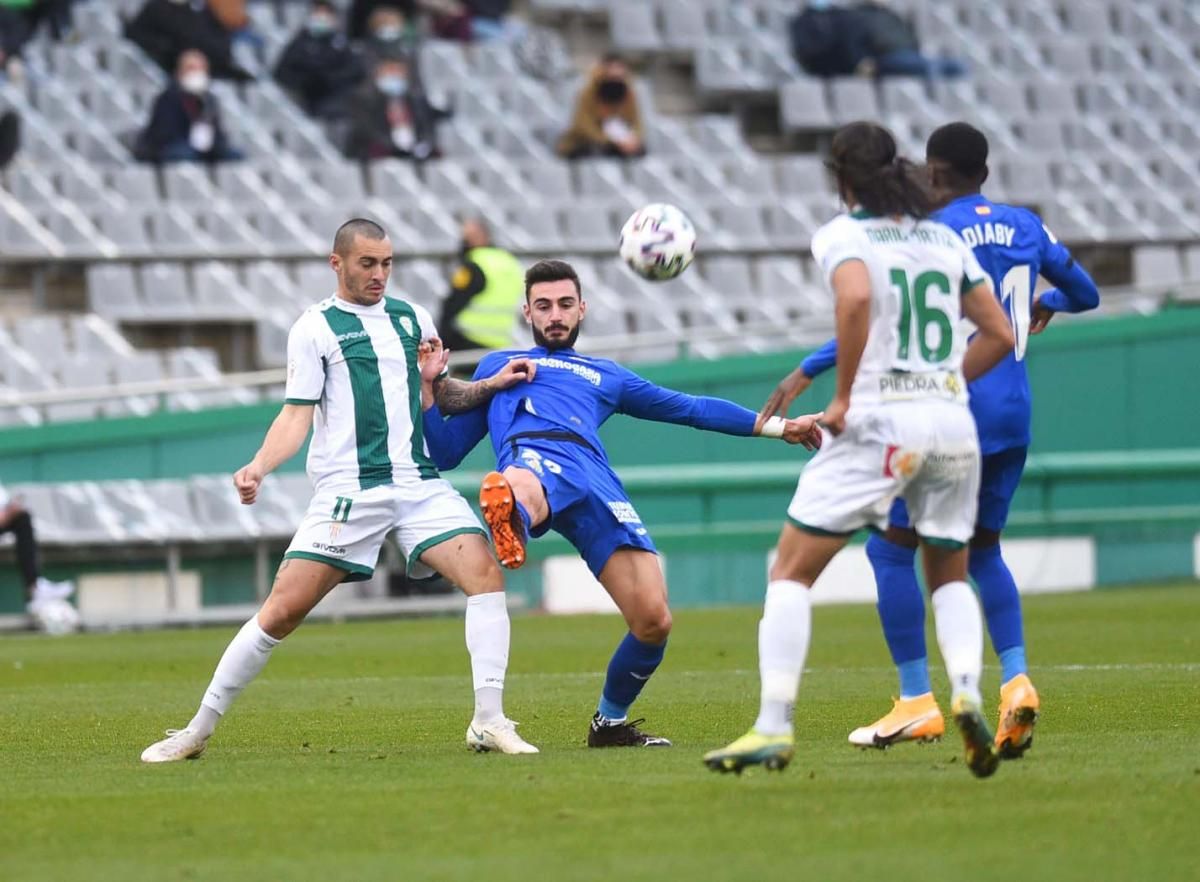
(299, 586)
(633, 578)
(783, 638)
(501, 499)
(958, 622)
(466, 561)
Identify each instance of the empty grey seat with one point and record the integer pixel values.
(219, 513)
(728, 275)
(40, 333)
(173, 508)
(852, 98)
(801, 175)
(633, 26)
(112, 290)
(165, 291)
(803, 106)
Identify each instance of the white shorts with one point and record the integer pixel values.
(347, 528)
(925, 451)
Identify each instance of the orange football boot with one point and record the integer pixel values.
(911, 719)
(499, 508)
(1019, 710)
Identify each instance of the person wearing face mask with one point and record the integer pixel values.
(607, 121)
(319, 67)
(485, 293)
(390, 35)
(388, 117)
(185, 124)
(359, 14)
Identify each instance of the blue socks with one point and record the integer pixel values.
(901, 612)
(1001, 608)
(630, 668)
(525, 519)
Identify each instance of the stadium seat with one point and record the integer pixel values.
(803, 106)
(1157, 265)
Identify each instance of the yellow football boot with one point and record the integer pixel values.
(773, 752)
(1019, 709)
(911, 719)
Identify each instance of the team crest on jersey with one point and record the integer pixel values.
(406, 323)
(900, 463)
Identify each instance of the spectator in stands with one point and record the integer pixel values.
(10, 137)
(185, 124)
(486, 292)
(15, 519)
(490, 20)
(358, 18)
(606, 121)
(391, 34)
(390, 118)
(165, 28)
(319, 66)
(887, 45)
(823, 41)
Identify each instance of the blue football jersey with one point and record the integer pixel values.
(1014, 247)
(571, 393)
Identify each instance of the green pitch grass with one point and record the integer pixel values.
(346, 760)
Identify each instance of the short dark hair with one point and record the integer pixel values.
(962, 147)
(353, 228)
(613, 58)
(551, 271)
(865, 161)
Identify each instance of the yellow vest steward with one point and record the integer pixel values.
(488, 318)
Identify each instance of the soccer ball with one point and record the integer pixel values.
(658, 242)
(55, 616)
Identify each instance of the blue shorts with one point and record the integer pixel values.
(1000, 476)
(588, 505)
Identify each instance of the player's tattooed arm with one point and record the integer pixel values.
(459, 396)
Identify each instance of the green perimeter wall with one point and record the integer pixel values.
(1104, 385)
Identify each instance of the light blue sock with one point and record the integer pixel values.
(914, 678)
(1012, 663)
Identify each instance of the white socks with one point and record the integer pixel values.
(487, 642)
(783, 636)
(959, 626)
(244, 658)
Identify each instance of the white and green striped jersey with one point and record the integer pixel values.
(358, 365)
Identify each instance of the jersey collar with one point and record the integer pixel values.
(356, 309)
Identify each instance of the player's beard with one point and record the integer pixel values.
(540, 339)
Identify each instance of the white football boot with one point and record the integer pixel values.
(47, 590)
(499, 735)
(180, 744)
